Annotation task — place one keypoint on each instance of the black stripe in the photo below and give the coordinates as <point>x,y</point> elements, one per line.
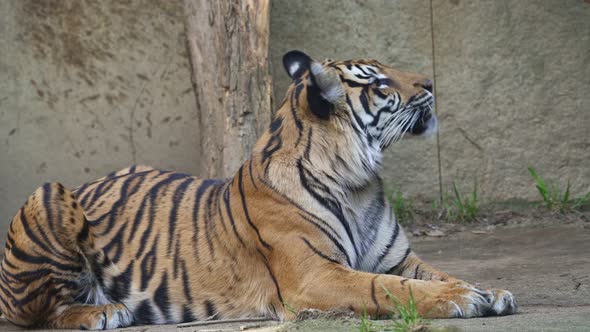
<point>41,260</point>
<point>187,314</point>
<point>118,206</point>
<point>392,270</point>
<point>162,299</point>
<point>371,70</point>
<point>358,120</point>
<point>220,213</point>
<point>379,93</point>
<point>209,222</point>
<point>330,236</point>
<point>153,197</point>
<point>245,208</point>
<point>85,232</point>
<point>210,309</point>
<point>351,83</point>
<point>176,201</point>
<point>186,282</point>
<point>300,208</point>
<point>365,102</point>
<point>294,107</point>
<point>117,244</point>
<point>307,151</point>
<point>199,194</point>
<point>79,192</point>
<point>416,270</point>
<point>251,173</point>
<point>319,253</point>
<point>226,199</point>
<point>272,276</point>
<point>329,202</point>
<point>35,239</point>
<point>276,124</point>
<point>148,264</point>
<point>274,144</point>
<point>47,205</point>
<point>42,290</point>
<point>144,314</point>
<point>121,284</point>
<point>29,276</point>
<point>392,240</point>
<point>176,261</point>
<point>100,190</point>
<point>138,219</point>
<point>359,67</point>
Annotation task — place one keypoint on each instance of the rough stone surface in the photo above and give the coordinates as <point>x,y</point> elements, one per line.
<point>89,87</point>
<point>512,82</point>
<point>396,33</point>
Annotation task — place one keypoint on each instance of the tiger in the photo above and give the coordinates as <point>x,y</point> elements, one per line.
<point>304,223</point>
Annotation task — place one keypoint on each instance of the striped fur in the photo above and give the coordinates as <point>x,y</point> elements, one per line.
<point>304,223</point>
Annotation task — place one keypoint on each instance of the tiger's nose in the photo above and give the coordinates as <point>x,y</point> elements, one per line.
<point>425,84</point>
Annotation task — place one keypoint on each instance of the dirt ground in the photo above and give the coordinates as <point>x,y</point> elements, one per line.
<point>546,264</point>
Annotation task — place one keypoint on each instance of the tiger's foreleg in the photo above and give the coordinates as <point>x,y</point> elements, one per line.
<point>503,302</point>
<point>321,282</point>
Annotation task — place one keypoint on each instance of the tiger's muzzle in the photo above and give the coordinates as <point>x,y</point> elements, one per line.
<point>426,122</point>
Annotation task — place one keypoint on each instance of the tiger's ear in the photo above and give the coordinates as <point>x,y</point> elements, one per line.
<point>296,63</point>
<point>325,90</point>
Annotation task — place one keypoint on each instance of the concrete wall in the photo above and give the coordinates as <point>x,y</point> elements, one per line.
<point>92,86</point>
<point>512,80</point>
<point>89,87</point>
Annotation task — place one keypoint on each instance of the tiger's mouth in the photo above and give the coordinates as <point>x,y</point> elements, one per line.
<point>425,125</point>
<point>426,122</point>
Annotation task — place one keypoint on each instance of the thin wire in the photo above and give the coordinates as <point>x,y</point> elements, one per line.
<point>436,107</point>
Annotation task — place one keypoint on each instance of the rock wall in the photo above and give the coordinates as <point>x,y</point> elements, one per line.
<point>89,87</point>
<point>92,86</point>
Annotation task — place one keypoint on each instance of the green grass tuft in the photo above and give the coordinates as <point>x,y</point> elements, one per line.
<point>459,207</point>
<point>289,308</point>
<point>407,314</point>
<point>366,323</point>
<point>554,198</point>
<point>402,207</point>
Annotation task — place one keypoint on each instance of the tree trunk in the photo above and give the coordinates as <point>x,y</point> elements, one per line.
<point>228,51</point>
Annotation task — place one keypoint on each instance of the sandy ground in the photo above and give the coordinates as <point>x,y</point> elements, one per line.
<point>546,266</point>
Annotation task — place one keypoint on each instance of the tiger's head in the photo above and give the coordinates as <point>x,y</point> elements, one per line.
<point>338,116</point>
<point>382,103</point>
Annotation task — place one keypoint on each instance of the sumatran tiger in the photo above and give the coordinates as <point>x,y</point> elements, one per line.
<point>304,223</point>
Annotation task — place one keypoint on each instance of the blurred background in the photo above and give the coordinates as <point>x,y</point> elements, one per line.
<point>89,87</point>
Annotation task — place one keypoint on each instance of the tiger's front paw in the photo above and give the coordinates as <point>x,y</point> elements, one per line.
<point>462,300</point>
